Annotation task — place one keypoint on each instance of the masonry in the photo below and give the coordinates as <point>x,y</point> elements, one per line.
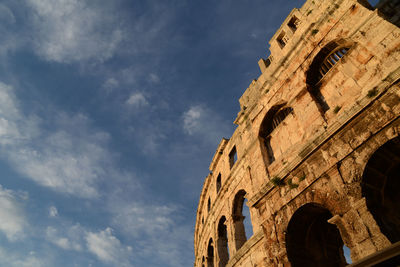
<point>316,152</point>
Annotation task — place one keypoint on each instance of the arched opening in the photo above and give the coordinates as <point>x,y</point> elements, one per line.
<point>232,157</point>
<point>222,243</point>
<point>218,183</point>
<point>248,228</point>
<point>323,62</point>
<point>312,241</point>
<point>209,205</point>
<point>380,187</point>
<point>239,219</point>
<point>210,253</point>
<point>275,116</point>
<point>203,262</point>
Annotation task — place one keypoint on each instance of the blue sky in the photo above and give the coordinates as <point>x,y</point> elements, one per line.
<point>110,113</point>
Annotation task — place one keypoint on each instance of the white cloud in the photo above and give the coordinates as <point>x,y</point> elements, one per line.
<point>102,244</point>
<point>6,15</point>
<point>71,156</point>
<point>134,218</point>
<point>18,259</point>
<point>53,212</point>
<point>204,123</point>
<point>9,40</point>
<point>71,30</point>
<point>159,232</point>
<point>110,84</point>
<point>107,247</point>
<point>63,162</point>
<point>192,119</point>
<point>137,100</point>
<point>70,239</point>
<point>154,78</point>
<point>12,218</point>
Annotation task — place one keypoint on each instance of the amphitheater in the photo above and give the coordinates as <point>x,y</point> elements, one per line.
<point>315,157</point>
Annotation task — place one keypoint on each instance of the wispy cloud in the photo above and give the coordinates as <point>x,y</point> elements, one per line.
<point>12,218</point>
<point>154,78</point>
<point>204,123</point>
<point>6,15</point>
<point>69,239</point>
<point>16,259</point>
<point>71,156</point>
<point>110,84</point>
<point>53,212</point>
<point>108,248</point>
<point>134,218</point>
<point>9,41</point>
<point>163,239</point>
<point>137,99</point>
<point>69,30</point>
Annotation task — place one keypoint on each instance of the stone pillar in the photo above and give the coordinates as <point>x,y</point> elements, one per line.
<point>239,231</point>
<point>230,232</point>
<point>222,252</point>
<point>210,261</point>
<point>359,231</point>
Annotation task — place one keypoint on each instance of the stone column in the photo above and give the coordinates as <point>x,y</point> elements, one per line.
<point>359,231</point>
<point>222,252</point>
<point>239,231</point>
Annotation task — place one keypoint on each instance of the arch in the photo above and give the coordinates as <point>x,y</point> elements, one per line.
<point>209,204</point>
<point>379,185</point>
<point>326,58</point>
<point>218,183</point>
<point>210,253</point>
<point>311,240</point>
<point>271,121</point>
<point>222,243</point>
<point>238,219</point>
<point>203,262</point>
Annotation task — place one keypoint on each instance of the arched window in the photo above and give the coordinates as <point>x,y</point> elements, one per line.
<point>322,63</point>
<point>312,241</point>
<point>222,243</point>
<point>330,60</point>
<point>238,219</point>
<point>209,205</point>
<point>210,253</point>
<point>380,187</point>
<point>218,183</point>
<point>325,60</point>
<point>272,120</point>
<point>232,157</point>
<point>279,117</point>
<point>203,262</point>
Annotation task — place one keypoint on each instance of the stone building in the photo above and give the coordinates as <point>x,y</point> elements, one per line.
<point>316,153</point>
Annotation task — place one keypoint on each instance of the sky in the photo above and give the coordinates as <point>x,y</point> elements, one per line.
<point>110,113</point>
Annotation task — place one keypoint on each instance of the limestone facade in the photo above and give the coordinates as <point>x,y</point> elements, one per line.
<point>316,151</point>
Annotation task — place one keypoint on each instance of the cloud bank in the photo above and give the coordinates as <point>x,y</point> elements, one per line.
<point>69,30</point>
<point>69,158</point>
<point>12,218</point>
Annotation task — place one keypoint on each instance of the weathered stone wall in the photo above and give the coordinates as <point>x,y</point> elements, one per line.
<point>320,150</point>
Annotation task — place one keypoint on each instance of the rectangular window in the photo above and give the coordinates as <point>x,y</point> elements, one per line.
<point>218,183</point>
<point>293,23</point>
<point>281,40</point>
<point>232,157</point>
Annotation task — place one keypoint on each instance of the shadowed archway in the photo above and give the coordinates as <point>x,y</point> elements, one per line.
<point>222,243</point>
<point>380,187</point>
<point>312,241</point>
